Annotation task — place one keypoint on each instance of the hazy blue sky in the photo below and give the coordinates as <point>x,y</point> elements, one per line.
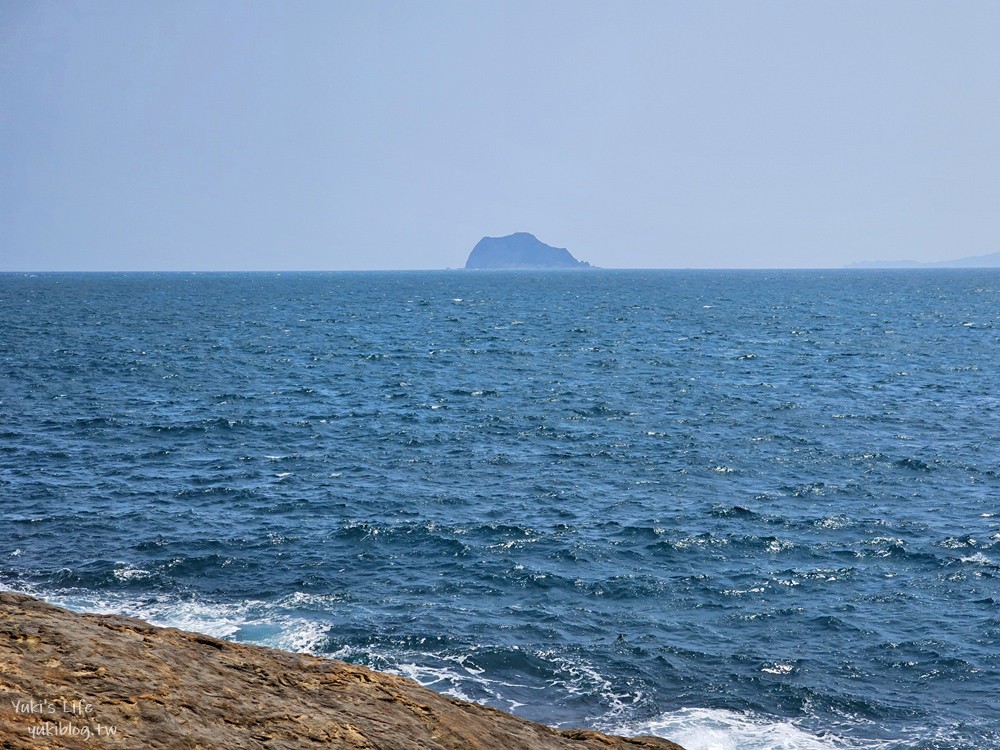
<point>355,135</point>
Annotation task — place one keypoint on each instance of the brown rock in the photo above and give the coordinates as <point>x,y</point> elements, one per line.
<point>96,681</point>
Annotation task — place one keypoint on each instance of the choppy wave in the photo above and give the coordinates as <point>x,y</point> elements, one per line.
<point>719,729</point>
<point>283,624</point>
<point>755,507</point>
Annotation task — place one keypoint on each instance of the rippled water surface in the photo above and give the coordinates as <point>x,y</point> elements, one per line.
<point>736,509</point>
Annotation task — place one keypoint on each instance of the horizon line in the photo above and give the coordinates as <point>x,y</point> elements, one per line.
<point>920,267</point>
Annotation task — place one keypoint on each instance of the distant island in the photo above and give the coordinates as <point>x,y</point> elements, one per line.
<point>973,261</point>
<point>520,250</point>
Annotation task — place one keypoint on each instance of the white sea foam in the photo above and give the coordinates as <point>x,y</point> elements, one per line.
<point>719,729</point>
<point>455,675</point>
<point>126,572</point>
<point>778,668</point>
<point>459,675</point>
<point>248,621</point>
<point>978,559</point>
<point>579,677</point>
<point>779,545</point>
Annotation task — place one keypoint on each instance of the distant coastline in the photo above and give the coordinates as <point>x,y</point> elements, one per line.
<point>991,260</point>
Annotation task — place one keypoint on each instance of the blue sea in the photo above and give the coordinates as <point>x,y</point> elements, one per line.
<point>736,509</point>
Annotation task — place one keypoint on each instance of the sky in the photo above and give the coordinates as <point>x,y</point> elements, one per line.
<point>394,135</point>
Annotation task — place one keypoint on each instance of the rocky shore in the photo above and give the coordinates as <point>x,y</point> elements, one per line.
<point>92,681</point>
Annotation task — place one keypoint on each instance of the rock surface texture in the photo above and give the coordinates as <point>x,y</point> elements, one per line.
<point>94,681</point>
<point>520,251</point>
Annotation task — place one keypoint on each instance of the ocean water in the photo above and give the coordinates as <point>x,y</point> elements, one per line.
<point>734,509</point>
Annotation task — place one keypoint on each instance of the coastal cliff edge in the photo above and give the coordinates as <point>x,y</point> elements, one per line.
<point>71,680</point>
